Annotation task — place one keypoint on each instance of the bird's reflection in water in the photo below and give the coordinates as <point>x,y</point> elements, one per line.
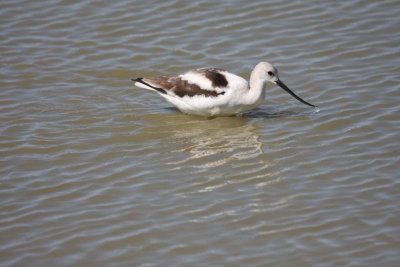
<point>204,143</point>
<point>215,142</point>
<point>223,143</point>
<point>218,141</point>
<point>227,148</point>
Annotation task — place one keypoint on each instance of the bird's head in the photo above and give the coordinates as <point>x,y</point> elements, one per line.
<point>269,73</point>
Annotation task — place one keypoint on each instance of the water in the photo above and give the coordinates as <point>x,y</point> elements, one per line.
<point>95,172</point>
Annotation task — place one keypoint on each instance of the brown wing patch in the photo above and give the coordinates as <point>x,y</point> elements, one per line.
<point>181,87</point>
<point>213,74</point>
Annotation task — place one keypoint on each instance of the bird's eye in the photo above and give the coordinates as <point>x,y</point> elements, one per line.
<point>270,73</point>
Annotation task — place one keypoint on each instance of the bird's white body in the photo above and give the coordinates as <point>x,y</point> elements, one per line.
<point>213,92</point>
<point>232,102</point>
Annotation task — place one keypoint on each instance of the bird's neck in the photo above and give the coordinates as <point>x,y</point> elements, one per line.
<point>256,92</point>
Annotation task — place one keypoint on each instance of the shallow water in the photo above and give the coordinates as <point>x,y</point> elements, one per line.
<point>95,172</point>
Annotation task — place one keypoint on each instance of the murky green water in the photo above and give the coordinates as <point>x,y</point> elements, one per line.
<point>95,172</point>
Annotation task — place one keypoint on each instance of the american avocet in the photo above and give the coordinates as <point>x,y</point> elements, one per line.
<point>215,92</point>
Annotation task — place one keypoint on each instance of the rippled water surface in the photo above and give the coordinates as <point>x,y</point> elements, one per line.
<point>95,172</point>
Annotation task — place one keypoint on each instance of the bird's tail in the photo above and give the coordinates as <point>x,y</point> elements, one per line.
<point>139,82</point>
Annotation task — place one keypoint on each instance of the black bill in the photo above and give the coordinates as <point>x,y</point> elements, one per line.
<point>284,87</point>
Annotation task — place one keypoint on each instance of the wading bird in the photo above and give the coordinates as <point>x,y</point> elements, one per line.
<point>215,92</point>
